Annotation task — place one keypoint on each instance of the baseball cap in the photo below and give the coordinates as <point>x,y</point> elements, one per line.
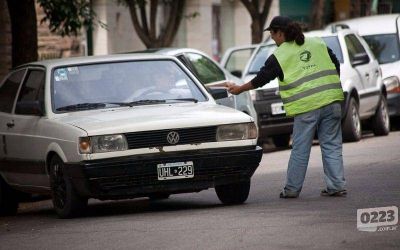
<point>279,22</point>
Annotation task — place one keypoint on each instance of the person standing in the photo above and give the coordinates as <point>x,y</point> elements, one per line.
<point>311,92</point>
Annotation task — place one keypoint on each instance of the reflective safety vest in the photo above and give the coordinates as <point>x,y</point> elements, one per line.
<point>310,77</point>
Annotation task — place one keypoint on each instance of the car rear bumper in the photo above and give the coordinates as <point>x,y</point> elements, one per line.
<point>136,176</point>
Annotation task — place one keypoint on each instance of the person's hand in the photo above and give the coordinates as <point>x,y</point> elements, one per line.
<point>233,88</point>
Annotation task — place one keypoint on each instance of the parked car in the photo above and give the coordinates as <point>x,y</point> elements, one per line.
<point>236,58</point>
<point>381,32</point>
<point>210,73</point>
<point>116,127</point>
<point>361,81</point>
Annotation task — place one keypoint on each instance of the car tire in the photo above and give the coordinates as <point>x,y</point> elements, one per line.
<point>281,141</point>
<point>351,126</point>
<point>380,121</point>
<point>235,193</point>
<point>8,199</point>
<point>66,201</point>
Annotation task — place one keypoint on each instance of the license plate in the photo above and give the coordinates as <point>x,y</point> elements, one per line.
<point>175,170</point>
<point>277,108</point>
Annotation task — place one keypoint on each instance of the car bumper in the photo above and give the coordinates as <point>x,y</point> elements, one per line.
<point>393,101</point>
<point>136,176</point>
<point>269,124</point>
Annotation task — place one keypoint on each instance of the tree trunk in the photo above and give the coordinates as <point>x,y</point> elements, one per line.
<point>148,33</point>
<point>23,31</point>
<point>258,18</point>
<point>317,14</point>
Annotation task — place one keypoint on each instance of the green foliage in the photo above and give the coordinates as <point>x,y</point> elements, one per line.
<point>67,17</point>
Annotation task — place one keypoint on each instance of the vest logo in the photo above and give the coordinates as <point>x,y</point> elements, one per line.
<point>305,56</point>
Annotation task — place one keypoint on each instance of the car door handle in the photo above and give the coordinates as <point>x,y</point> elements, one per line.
<point>10,124</point>
<point>367,75</point>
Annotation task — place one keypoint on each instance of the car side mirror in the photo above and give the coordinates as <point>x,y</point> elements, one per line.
<point>237,73</point>
<point>218,93</point>
<point>360,59</point>
<point>29,108</point>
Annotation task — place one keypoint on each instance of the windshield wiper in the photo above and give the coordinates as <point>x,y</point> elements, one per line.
<point>140,102</point>
<point>82,106</point>
<point>184,100</point>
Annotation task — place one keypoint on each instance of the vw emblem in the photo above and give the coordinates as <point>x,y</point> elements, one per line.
<point>173,137</point>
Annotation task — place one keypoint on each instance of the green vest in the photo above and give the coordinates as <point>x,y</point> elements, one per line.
<point>310,77</point>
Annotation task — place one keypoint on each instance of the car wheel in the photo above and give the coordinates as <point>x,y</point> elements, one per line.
<point>159,196</point>
<point>235,193</point>
<point>351,127</point>
<point>8,199</point>
<point>66,201</point>
<point>380,121</point>
<point>281,141</point>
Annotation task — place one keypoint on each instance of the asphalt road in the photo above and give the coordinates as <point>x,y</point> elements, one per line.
<point>199,221</point>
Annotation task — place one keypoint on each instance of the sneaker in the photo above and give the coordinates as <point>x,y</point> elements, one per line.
<point>285,195</point>
<point>340,193</point>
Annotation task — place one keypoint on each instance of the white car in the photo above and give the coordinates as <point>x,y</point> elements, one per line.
<point>116,127</point>
<point>381,32</point>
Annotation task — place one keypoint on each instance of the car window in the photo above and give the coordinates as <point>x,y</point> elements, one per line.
<point>205,69</point>
<point>105,84</point>
<point>259,59</point>
<point>354,46</point>
<point>385,47</point>
<point>238,59</point>
<point>333,43</point>
<point>33,88</point>
<point>9,89</point>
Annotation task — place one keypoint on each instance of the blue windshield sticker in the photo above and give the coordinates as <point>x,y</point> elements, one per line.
<point>61,75</point>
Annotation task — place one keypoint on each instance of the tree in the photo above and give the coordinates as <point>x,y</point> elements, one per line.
<point>258,17</point>
<point>66,17</point>
<point>23,31</point>
<point>317,14</point>
<point>146,28</point>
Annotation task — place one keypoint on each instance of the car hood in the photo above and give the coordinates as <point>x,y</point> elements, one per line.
<point>271,85</point>
<point>153,117</point>
<point>390,69</point>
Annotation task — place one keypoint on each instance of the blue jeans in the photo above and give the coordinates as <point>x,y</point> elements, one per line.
<point>326,121</point>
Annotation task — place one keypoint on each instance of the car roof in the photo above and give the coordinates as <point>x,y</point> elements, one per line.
<point>378,24</point>
<point>95,59</point>
<point>169,51</point>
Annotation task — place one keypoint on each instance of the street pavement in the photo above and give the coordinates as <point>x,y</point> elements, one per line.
<point>200,221</point>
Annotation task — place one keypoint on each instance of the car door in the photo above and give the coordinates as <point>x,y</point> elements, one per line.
<point>24,143</point>
<point>8,92</point>
<point>235,59</point>
<point>368,72</point>
<point>207,72</point>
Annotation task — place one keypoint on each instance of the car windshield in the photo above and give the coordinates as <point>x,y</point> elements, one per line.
<point>259,59</point>
<point>385,47</point>
<point>102,85</point>
<point>333,43</point>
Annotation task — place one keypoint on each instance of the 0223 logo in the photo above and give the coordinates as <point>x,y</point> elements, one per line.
<point>378,219</point>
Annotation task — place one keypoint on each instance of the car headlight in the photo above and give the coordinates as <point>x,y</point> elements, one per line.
<point>392,84</point>
<point>102,144</point>
<point>241,131</point>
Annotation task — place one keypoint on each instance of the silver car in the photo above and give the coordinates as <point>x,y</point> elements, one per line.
<point>116,127</point>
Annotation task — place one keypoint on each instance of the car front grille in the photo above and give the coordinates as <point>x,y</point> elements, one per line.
<point>158,138</point>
